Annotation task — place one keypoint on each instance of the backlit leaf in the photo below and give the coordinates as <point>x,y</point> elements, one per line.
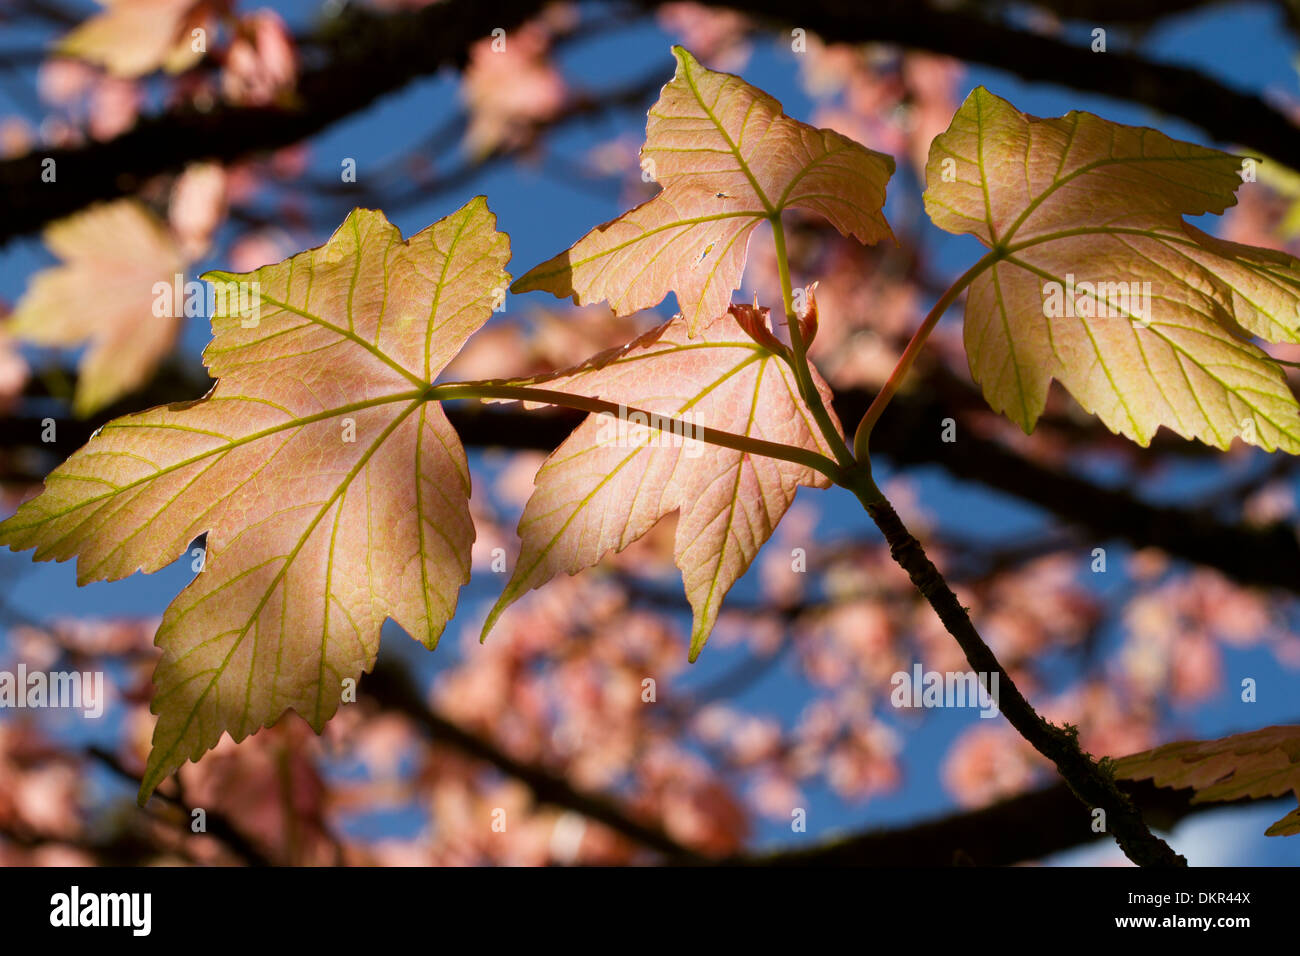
<point>610,481</point>
<point>727,159</point>
<point>334,495</point>
<point>1160,333</point>
<point>134,37</point>
<point>103,294</point>
<point>1262,763</point>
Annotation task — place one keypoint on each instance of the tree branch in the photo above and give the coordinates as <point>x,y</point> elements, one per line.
<point>394,691</point>
<point>1224,113</point>
<point>909,435</point>
<point>217,824</point>
<point>1090,782</point>
<point>361,55</point>
<point>1025,827</point>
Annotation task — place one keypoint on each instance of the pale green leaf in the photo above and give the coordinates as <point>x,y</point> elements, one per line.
<point>1159,335</point>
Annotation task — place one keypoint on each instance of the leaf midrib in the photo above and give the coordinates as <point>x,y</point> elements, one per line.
<point>346,333</point>
<point>219,449</point>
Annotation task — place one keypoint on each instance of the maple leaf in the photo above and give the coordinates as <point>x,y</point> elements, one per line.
<point>1261,763</point>
<point>1097,281</point>
<point>103,293</point>
<point>727,159</point>
<point>134,37</point>
<point>333,493</point>
<point>612,479</point>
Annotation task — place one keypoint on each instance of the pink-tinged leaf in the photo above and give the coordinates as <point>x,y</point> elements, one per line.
<point>727,159</point>
<point>333,493</point>
<point>1159,335</point>
<point>104,294</point>
<point>1262,763</point>
<point>611,480</point>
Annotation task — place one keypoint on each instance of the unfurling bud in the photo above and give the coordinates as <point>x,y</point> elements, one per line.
<point>753,319</point>
<point>808,320</point>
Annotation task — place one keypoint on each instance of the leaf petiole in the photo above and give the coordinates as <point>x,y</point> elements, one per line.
<point>713,436</point>
<point>798,360</point>
<point>862,438</point>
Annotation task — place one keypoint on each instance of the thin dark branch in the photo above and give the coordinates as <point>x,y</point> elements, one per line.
<point>1226,114</point>
<point>217,825</point>
<point>909,435</point>
<point>1091,783</point>
<point>362,55</point>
